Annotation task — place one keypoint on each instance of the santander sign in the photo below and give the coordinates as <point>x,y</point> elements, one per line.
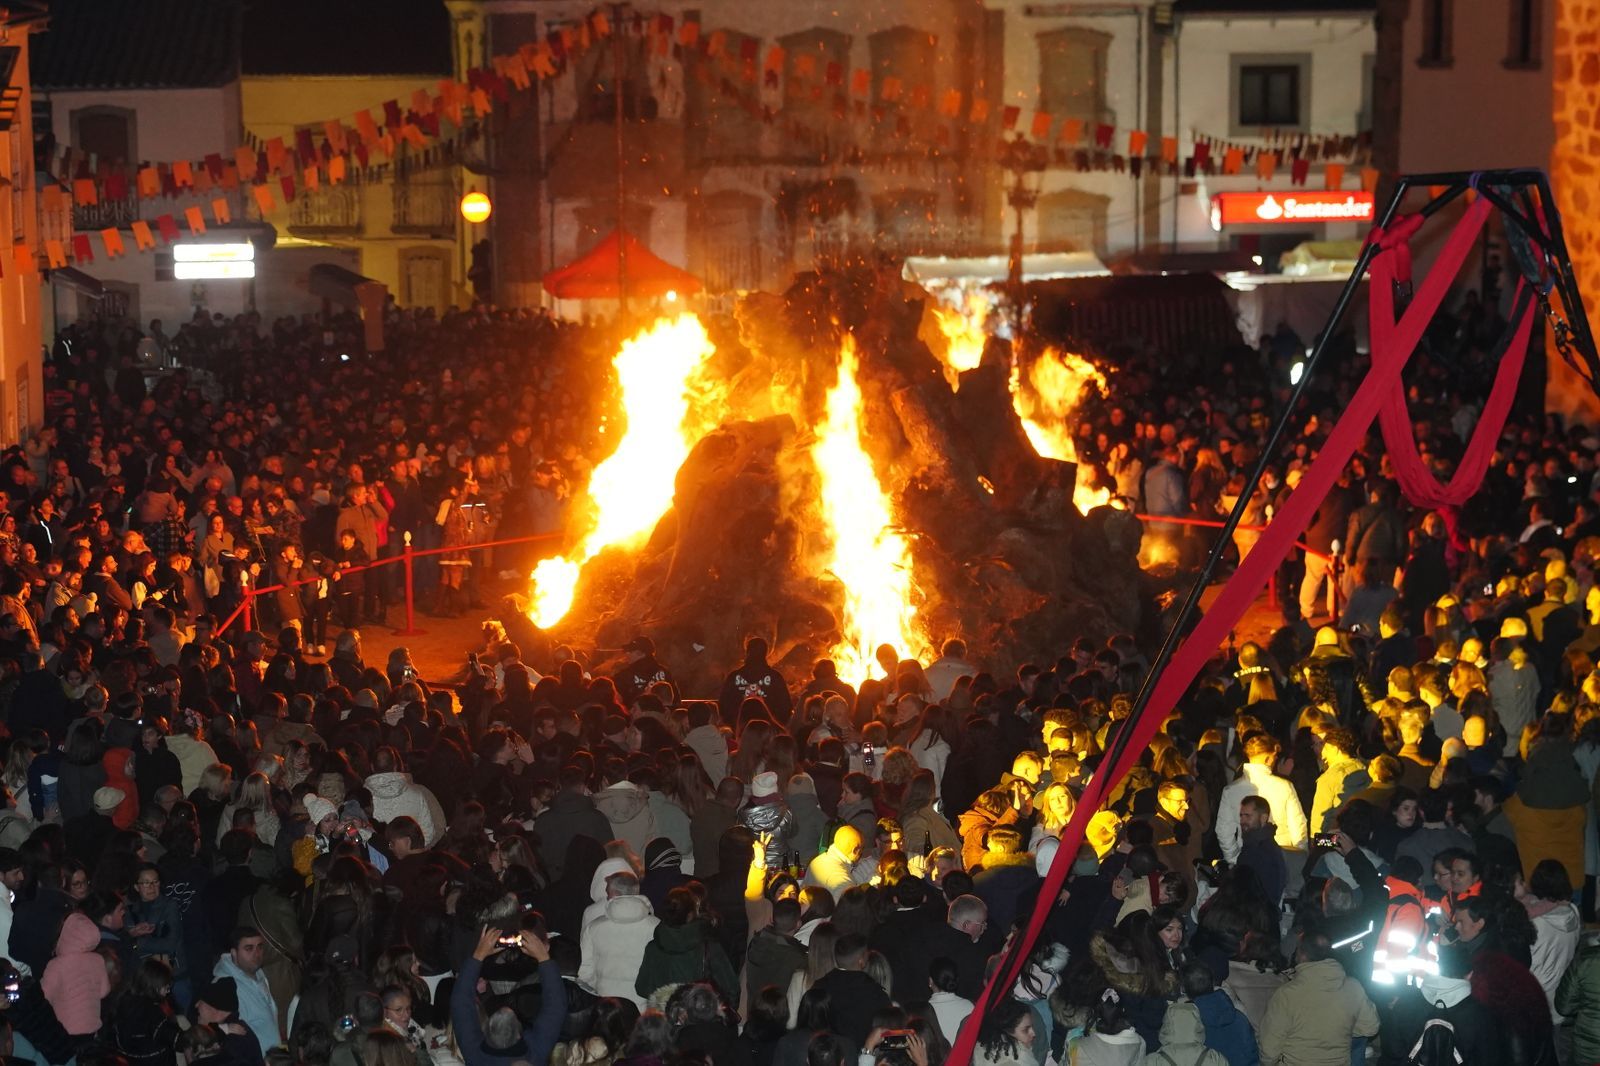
<point>1257,208</point>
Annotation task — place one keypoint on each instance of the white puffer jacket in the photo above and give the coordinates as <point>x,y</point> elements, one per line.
<point>395,794</point>
<point>613,948</point>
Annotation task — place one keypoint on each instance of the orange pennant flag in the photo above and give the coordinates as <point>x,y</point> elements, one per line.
<point>277,154</point>
<point>1042,121</point>
<point>1232,160</point>
<point>413,135</point>
<point>861,82</point>
<point>26,258</point>
<point>183,174</point>
<point>1072,131</point>
<point>1333,176</point>
<point>221,213</point>
<point>84,192</point>
<point>775,60</point>
<point>336,170</point>
<point>422,103</point>
<point>202,180</point>
<point>112,239</point>
<point>1369,179</point>
<point>51,199</point>
<point>717,43</point>
<point>1169,149</point>
<point>541,63</point>
<point>950,103</point>
<point>979,113</point>
<point>149,182</point>
<point>333,129</point>
<point>263,195</point>
<point>516,70</point>
<point>366,127</point>
<point>689,33</point>
<point>55,254</point>
<point>1436,191</point>
<point>310,179</point>
<point>143,239</point>
<point>892,87</point>
<point>230,176</point>
<point>1266,165</point>
<point>245,160</point>
<point>480,103</point>
<point>197,224</point>
<point>1138,141</point>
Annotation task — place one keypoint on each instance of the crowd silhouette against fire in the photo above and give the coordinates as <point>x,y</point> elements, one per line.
<point>1372,838</point>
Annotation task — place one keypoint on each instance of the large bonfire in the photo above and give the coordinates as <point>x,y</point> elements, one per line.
<point>818,476</point>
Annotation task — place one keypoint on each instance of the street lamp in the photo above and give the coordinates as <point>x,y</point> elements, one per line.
<point>1025,162</point>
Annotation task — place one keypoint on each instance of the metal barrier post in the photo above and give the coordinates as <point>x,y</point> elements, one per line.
<point>411,629</point>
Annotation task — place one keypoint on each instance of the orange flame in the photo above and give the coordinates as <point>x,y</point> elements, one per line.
<point>659,370</point>
<point>965,332</point>
<point>1045,402</point>
<point>870,556</point>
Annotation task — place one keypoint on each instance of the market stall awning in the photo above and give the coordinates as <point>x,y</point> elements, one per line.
<point>1040,266</point>
<point>78,281</point>
<point>335,283</point>
<point>595,274</point>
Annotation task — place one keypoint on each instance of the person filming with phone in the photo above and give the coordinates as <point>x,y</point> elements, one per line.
<point>493,1034</point>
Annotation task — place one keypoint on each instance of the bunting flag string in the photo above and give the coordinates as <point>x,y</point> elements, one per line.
<point>428,130</point>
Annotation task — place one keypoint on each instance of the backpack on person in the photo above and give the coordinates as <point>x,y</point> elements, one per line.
<point>1436,1046</point>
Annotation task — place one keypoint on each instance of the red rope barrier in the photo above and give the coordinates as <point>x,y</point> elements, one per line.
<point>1179,520</point>
<point>405,557</point>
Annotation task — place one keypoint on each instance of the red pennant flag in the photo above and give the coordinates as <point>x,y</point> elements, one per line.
<point>1202,153</point>
<point>333,130</point>
<point>689,34</point>
<point>1009,116</point>
<point>286,183</point>
<point>305,147</point>
<point>1103,134</point>
<point>214,166</point>
<point>168,226</point>
<point>921,96</point>
<point>1300,170</point>
<point>82,251</point>
<point>1042,121</point>
<point>391,114</point>
<point>835,74</point>
<point>112,239</point>
<point>422,103</point>
<point>860,83</point>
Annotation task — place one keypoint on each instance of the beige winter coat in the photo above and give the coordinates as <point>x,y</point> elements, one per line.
<point>1312,1019</point>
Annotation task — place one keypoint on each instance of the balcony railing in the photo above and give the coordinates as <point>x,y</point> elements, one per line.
<point>425,207</point>
<point>331,209</point>
<point>106,213</point>
<point>733,267</point>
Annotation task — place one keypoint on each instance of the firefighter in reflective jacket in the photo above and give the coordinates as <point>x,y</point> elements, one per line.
<point>1407,950</point>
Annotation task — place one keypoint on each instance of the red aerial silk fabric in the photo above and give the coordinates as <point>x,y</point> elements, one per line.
<point>1246,584</point>
<point>1416,480</point>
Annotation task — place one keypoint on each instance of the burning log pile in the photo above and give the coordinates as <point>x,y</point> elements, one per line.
<point>838,493</point>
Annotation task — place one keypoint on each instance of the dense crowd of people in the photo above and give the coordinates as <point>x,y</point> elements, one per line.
<point>1369,838</point>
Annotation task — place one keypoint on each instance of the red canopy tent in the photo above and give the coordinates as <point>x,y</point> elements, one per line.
<point>595,274</point>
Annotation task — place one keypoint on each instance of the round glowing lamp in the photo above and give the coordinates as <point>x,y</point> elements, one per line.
<point>476,207</point>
